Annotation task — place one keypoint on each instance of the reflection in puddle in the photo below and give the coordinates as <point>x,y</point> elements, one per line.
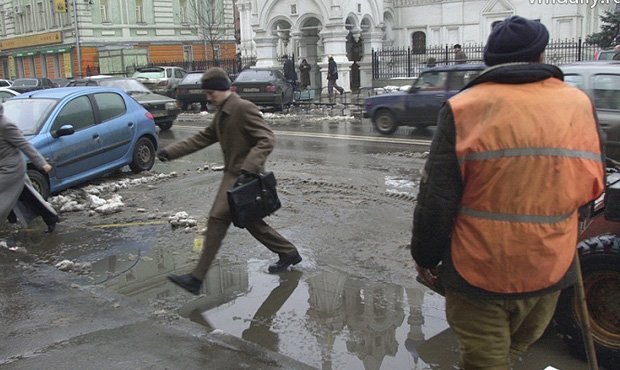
<point>327,320</point>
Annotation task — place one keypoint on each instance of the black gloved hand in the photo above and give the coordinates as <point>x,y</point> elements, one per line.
<point>244,178</point>
<point>162,155</point>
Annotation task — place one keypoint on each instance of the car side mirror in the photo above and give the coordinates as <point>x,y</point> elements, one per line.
<point>64,130</point>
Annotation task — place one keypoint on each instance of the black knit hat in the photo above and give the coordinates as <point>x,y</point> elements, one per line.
<point>515,39</point>
<point>215,78</point>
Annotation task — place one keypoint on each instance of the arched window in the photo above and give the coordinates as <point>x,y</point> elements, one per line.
<point>418,42</point>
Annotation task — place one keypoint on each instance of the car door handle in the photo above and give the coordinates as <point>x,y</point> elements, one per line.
<point>130,124</point>
<point>95,136</point>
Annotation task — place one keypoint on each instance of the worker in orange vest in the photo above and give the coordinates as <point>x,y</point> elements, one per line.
<point>515,155</point>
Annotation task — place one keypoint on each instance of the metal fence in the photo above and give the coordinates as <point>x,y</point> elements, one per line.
<point>232,66</point>
<point>408,62</point>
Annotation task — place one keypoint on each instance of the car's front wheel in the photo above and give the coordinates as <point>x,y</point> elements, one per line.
<point>384,122</point>
<point>143,156</point>
<point>600,265</point>
<point>39,183</point>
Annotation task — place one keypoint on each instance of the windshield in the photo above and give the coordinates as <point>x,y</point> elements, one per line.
<point>25,82</point>
<point>255,75</point>
<point>192,78</point>
<point>28,114</point>
<point>150,74</point>
<point>127,85</point>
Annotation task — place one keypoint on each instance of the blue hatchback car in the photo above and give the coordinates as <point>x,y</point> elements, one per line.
<point>83,133</point>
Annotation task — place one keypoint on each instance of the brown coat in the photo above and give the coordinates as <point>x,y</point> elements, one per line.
<point>245,139</point>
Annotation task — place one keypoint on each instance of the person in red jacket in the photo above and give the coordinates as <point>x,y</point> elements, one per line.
<point>515,155</point>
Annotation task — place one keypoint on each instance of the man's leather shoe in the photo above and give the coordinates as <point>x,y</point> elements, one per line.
<point>187,282</point>
<point>284,262</point>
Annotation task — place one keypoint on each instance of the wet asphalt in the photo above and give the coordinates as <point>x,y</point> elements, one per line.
<point>342,308</point>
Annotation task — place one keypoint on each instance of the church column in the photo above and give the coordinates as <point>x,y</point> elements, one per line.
<point>372,40</point>
<point>247,47</point>
<point>266,53</point>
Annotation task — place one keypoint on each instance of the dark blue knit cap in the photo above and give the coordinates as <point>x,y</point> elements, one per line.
<point>215,78</point>
<point>515,39</point>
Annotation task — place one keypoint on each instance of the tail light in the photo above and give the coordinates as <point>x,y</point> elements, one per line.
<point>234,89</point>
<point>149,115</point>
<point>163,83</point>
<point>270,88</point>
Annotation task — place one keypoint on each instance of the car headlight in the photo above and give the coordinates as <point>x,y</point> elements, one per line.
<point>171,105</point>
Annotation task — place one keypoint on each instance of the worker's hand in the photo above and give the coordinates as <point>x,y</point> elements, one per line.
<point>431,276</point>
<point>47,167</point>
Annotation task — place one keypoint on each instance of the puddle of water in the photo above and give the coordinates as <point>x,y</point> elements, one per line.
<point>400,185</point>
<point>326,319</point>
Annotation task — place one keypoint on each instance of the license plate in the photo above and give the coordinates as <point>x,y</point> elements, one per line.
<point>251,89</point>
<point>159,114</point>
<point>196,91</point>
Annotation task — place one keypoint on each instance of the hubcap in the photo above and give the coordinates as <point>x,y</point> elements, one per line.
<point>602,291</point>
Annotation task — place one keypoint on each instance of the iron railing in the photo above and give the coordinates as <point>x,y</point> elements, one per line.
<point>407,62</point>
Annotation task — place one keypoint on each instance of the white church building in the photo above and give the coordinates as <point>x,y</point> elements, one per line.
<point>349,30</point>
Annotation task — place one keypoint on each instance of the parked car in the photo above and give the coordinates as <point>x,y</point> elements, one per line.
<point>190,91</point>
<point>608,54</point>
<point>5,83</point>
<point>264,87</point>
<point>83,133</point>
<point>6,93</point>
<point>161,80</point>
<point>601,81</point>
<point>61,82</point>
<point>163,108</point>
<point>420,105</point>
<point>22,85</point>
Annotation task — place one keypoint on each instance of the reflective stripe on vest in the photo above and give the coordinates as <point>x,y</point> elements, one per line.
<point>529,156</point>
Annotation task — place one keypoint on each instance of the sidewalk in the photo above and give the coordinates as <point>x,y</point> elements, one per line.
<point>51,322</point>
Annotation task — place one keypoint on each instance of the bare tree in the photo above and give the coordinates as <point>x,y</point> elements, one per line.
<point>208,18</point>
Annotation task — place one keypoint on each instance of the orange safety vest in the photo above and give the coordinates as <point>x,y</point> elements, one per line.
<point>529,156</point>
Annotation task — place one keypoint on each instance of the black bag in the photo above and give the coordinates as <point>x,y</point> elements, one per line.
<point>252,201</point>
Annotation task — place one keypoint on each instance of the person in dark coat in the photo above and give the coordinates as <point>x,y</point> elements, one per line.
<point>289,71</point>
<point>18,199</point>
<point>459,55</point>
<point>304,72</point>
<point>246,141</point>
<point>332,76</point>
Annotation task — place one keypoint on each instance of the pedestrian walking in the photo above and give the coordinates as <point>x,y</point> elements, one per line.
<point>513,158</point>
<point>332,76</point>
<point>246,141</point>
<point>19,201</point>
<point>304,74</point>
<point>459,55</point>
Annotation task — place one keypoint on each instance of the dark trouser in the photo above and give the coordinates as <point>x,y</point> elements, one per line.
<point>216,231</point>
<point>37,208</point>
<point>493,333</point>
<point>331,84</point>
